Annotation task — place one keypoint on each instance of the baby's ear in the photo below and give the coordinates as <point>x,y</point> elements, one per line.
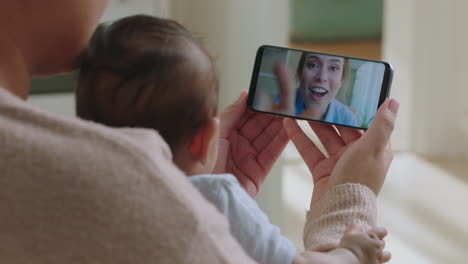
<point>202,139</point>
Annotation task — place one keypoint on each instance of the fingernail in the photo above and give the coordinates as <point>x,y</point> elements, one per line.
<point>393,106</point>
<point>241,96</point>
<point>251,189</point>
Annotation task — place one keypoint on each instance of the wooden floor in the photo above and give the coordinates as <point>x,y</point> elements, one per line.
<point>457,166</point>
<point>366,49</point>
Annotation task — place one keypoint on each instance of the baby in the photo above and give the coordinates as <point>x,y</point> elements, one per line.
<point>152,73</point>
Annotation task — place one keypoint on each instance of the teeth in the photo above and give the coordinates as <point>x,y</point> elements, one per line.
<point>319,90</point>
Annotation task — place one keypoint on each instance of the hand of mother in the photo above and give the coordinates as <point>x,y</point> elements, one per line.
<point>353,156</point>
<point>250,143</point>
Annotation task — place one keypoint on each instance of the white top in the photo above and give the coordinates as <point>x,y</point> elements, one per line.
<point>248,223</point>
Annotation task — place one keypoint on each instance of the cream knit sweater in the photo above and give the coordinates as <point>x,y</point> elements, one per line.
<point>78,192</point>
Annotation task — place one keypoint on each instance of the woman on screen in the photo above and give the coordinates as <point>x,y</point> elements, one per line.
<point>320,78</point>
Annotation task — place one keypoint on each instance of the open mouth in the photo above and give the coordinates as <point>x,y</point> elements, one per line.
<point>317,93</point>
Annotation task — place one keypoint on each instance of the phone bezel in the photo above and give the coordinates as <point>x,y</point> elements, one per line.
<point>384,90</point>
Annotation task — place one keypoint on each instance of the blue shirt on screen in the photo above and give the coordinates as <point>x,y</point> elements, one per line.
<point>337,112</point>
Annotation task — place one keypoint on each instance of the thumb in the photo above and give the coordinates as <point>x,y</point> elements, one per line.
<point>381,129</point>
<point>233,113</point>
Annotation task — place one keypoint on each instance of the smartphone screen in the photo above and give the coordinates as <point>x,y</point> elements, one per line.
<point>327,88</point>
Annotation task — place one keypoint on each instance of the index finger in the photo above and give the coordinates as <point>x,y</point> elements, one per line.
<point>328,136</point>
<point>349,134</point>
<point>309,152</point>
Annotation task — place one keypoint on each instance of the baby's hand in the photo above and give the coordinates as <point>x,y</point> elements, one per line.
<point>366,246</point>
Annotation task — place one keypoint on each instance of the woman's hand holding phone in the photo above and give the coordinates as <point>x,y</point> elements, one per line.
<point>251,141</point>
<point>250,144</point>
<point>353,156</point>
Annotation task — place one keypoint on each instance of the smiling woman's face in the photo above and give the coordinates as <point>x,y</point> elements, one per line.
<point>321,79</point>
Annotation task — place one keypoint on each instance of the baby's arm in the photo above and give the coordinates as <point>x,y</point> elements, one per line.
<point>356,247</point>
<point>367,247</point>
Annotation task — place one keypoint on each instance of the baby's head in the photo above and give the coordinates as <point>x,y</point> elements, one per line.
<point>148,72</point>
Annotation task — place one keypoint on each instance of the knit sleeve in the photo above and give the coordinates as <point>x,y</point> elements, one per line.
<point>341,206</point>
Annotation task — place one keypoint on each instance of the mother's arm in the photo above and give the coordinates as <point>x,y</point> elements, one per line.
<point>347,178</point>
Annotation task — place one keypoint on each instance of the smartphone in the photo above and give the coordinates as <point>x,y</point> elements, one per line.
<point>328,88</point>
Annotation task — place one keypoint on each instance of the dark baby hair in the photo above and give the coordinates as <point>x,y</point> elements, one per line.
<point>137,72</point>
